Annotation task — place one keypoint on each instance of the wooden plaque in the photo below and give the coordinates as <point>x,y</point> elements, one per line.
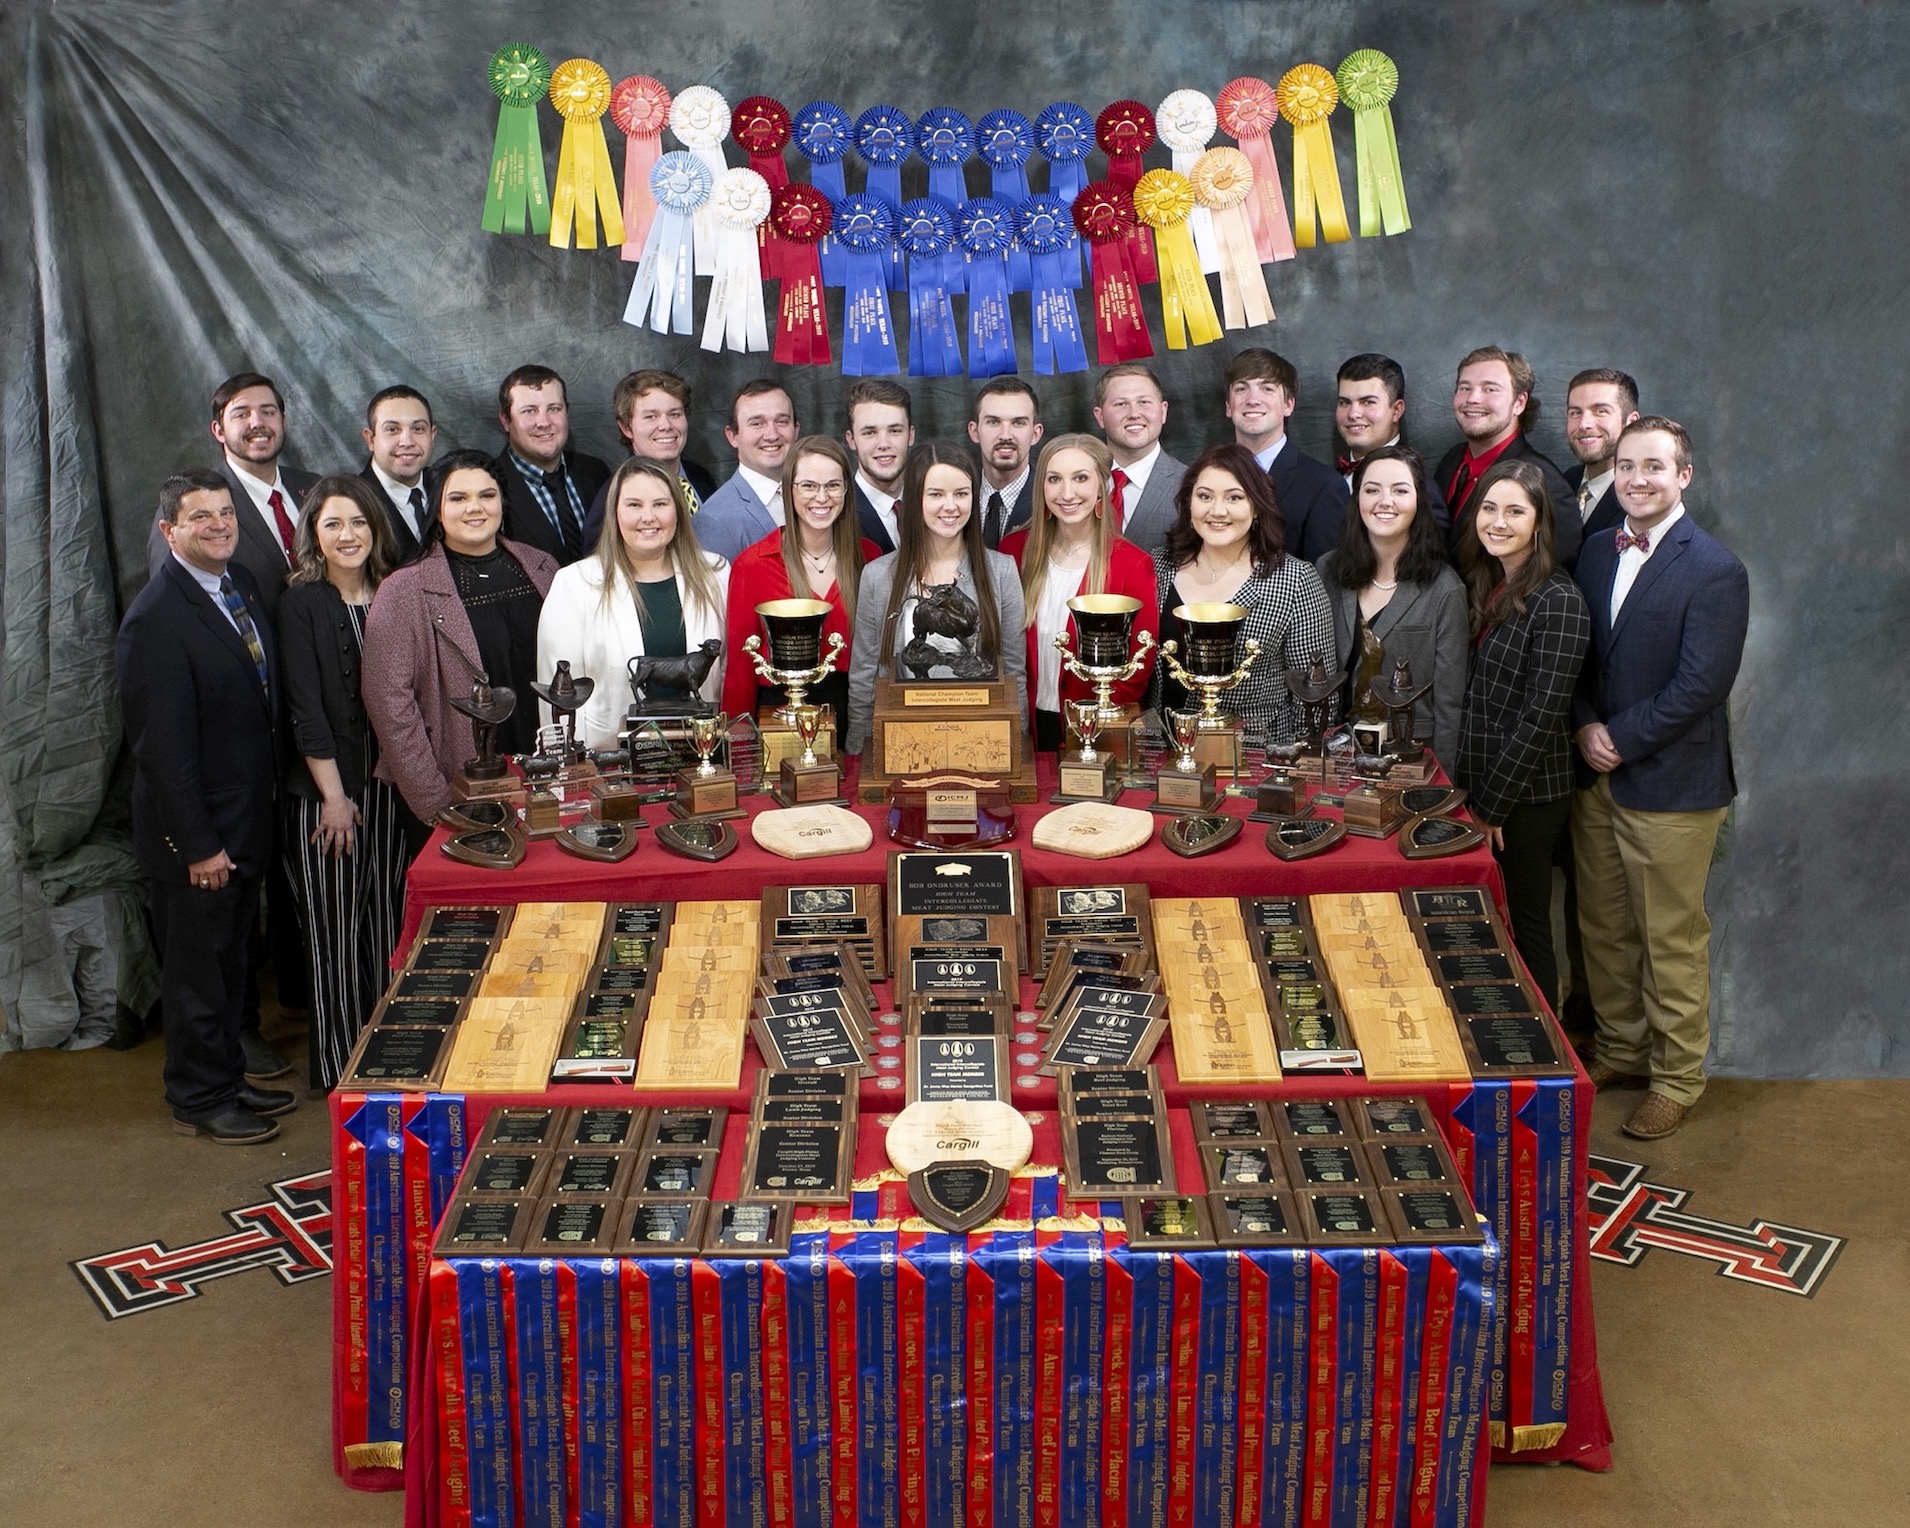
<point>595,838</point>
<point>512,1172</point>
<point>1117,1158</point>
<point>927,1133</point>
<point>684,1171</point>
<point>698,838</point>
<point>690,1042</point>
<point>811,832</point>
<point>1298,838</point>
<point>922,728</point>
<point>1167,1223</point>
<point>853,915</point>
<point>945,1067</point>
<point>1386,1119</point>
<point>1093,830</point>
<point>759,1228</point>
<point>572,1226</point>
<point>959,1196</point>
<point>483,1227</point>
<point>659,1228</point>
<point>1075,963</point>
<point>509,1053</point>
<point>1115,914</point>
<point>1514,1045</point>
<point>449,955</point>
<point>1309,1120</point>
<point>595,1173</point>
<point>1327,1164</point>
<point>938,1013</point>
<point>810,961</point>
<point>811,1163</point>
<point>521,1127</point>
<point>598,1048</point>
<point>1087,1092</point>
<point>671,1129</point>
<point>486,921</point>
<point>1244,1120</point>
<point>1263,1218</point>
<point>601,1127</point>
<point>1436,837</point>
<point>1119,1036</point>
<point>809,1038</point>
<point>394,1057</point>
<point>1340,1217</point>
<point>1441,1214</point>
<point>1238,1165</point>
<point>1406,1035</point>
<point>1411,1161</point>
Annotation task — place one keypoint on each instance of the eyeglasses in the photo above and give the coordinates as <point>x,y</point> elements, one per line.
<point>833,490</point>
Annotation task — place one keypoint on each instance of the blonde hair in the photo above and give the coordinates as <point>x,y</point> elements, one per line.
<point>1041,524</point>
<point>686,555</point>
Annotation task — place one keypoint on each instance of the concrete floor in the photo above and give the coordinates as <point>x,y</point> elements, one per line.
<point>1732,1404</point>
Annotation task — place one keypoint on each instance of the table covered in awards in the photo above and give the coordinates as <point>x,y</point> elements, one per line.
<point>958,1186</point>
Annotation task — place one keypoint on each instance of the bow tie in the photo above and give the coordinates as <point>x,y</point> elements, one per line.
<point>1625,538</point>
<point>1346,465</point>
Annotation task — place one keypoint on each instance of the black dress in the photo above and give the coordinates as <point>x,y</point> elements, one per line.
<point>503,604</point>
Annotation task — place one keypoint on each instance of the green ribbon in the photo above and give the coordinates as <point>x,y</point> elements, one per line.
<point>519,76</point>
<point>1367,81</point>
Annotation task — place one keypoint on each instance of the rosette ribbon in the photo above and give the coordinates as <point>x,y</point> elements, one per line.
<point>823,135</point>
<point>1247,109</point>
<point>1307,95</point>
<point>1046,231</point>
<point>986,229</point>
<point>1125,132</point>
<point>586,185</point>
<point>1064,132</point>
<point>665,281</point>
<point>1104,216</point>
<point>700,118</point>
<point>1368,80</point>
<point>945,139</point>
<point>739,205</point>
<point>640,106</point>
<point>1223,184</point>
<point>1164,200</point>
<point>865,226</point>
<point>760,126</point>
<point>516,191</point>
<point>1186,121</point>
<point>1005,140</point>
<point>884,138</point>
<point>926,234</point>
<point>801,215</point>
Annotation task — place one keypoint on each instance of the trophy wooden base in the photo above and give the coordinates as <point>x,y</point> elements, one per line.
<point>1119,737</point>
<point>1372,811</point>
<point>505,787</point>
<point>1099,781</point>
<point>1178,791</point>
<point>781,741</point>
<point>700,795</point>
<point>1220,746</point>
<point>925,728</point>
<point>616,801</point>
<point>818,784</point>
<point>543,814</point>
<point>1279,797</point>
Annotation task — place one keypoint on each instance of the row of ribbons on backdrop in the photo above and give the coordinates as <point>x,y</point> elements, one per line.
<point>687,212</point>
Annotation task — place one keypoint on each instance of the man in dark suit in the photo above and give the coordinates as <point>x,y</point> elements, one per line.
<point>1369,411</point>
<point>881,430</point>
<point>1495,401</point>
<point>401,435</point>
<point>1262,389</point>
<point>653,417</point>
<point>1598,405</point>
<point>1670,607</point>
<point>547,486</point>
<point>199,689</point>
<point>1005,426</point>
<point>248,422</point>
<point>1131,410</point>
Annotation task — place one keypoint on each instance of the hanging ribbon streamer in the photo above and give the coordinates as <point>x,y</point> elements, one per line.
<point>945,139</point>
<point>586,185</point>
<point>1368,80</point>
<point>1247,109</point>
<point>1045,228</point>
<point>1186,123</point>
<point>1064,133</point>
<point>884,138</point>
<point>700,118</point>
<point>864,226</point>
<point>1005,140</point>
<point>1125,132</point>
<point>801,216</point>
<point>985,228</point>
<point>519,76</point>
<point>739,204</point>
<point>1104,216</point>
<point>1164,200</point>
<point>760,126</point>
<point>823,135</point>
<point>1307,96</point>
<point>640,106</point>
<point>665,281</point>
<point>926,234</point>
<point>1223,183</point>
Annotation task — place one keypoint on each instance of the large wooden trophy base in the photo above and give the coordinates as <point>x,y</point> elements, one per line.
<point>937,726</point>
<point>507,787</point>
<point>781,740</point>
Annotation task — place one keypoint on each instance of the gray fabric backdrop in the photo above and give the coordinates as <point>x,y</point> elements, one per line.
<point>1710,196</point>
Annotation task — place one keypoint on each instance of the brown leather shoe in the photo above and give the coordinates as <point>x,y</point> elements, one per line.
<point>1604,1076</point>
<point>1655,1118</point>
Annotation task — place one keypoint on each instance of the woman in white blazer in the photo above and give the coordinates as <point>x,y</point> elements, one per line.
<point>648,588</point>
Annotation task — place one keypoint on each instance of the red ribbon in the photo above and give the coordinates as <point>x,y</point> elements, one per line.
<point>640,106</point>
<point>1049,1316</point>
<point>842,1382</point>
<point>348,1214</point>
<point>800,216</point>
<point>706,1314</point>
<point>1442,1288</point>
<point>1116,1377</point>
<point>1104,216</point>
<point>912,1319</point>
<point>1250,1474</point>
<point>1323,1369</point>
<point>981,1388</point>
<point>1183,1389</point>
<point>1125,132</point>
<point>454,1463</point>
<point>1384,1469</point>
<point>778,1458</point>
<point>1522,1240</point>
<point>760,125</point>
<point>637,1421</point>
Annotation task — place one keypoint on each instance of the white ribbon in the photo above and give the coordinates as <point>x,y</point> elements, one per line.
<point>700,118</point>
<point>665,284</point>
<point>737,207</point>
<point>1185,121</point>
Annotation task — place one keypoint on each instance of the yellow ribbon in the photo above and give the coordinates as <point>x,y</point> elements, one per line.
<point>1307,94</point>
<point>1223,180</point>
<point>1163,200</point>
<point>586,185</point>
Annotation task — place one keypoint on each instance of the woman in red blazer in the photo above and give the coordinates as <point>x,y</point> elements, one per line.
<point>1070,548</point>
<point>818,554</point>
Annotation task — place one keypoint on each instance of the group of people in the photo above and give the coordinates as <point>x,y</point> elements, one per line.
<point>289,675</point>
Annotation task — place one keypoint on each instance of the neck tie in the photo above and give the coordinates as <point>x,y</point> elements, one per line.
<point>416,501</point>
<point>1346,464</point>
<point>569,527</point>
<point>1461,484</point>
<point>1584,500</point>
<point>1117,501</point>
<point>1625,538</point>
<point>287,532</point>
<point>991,526</point>
<point>689,494</point>
<point>248,633</point>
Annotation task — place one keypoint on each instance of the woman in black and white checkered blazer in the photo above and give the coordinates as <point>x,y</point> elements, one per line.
<point>1228,545</point>
<point>1531,630</point>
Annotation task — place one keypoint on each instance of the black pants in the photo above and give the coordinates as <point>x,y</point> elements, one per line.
<point>1532,833</point>
<point>1050,734</point>
<point>202,951</point>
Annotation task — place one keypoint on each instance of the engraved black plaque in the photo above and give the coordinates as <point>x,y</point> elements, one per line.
<point>821,928</point>
<point>1314,1031</point>
<point>678,1172</point>
<point>416,1010</point>
<point>1311,1118</point>
<point>1411,1162</point>
<point>1118,1155</point>
<point>637,918</point>
<point>1223,1122</point>
<point>978,884</point>
<point>464,923</point>
<point>662,1222</point>
<point>451,955</point>
<point>797,1161</point>
<point>1476,967</point>
<point>628,980</point>
<point>1246,1219</point>
<point>958,1196</point>
<point>1328,1164</point>
<point>520,1127</point>
<point>577,1223</point>
<point>685,1127</point>
<point>588,1173</point>
<point>1344,1214</point>
<point>1102,1037</point>
<point>1286,971</point>
<point>951,1067</point>
<point>439,984</point>
<point>957,1021</point>
<point>804,1111</point>
<point>1137,1105</point>
<point>805,1084</point>
<point>810,1038</point>
<point>610,1005</point>
<point>1431,1210</point>
<point>748,1230</point>
<point>1395,1116</point>
<point>1234,1164</point>
<point>504,1172</point>
<point>602,1127</point>
<point>955,976</point>
<point>1453,903</point>
<point>1276,912</point>
<point>1132,1081</point>
<point>1513,1040</point>
<point>483,1223</point>
<point>392,1054</point>
<point>1453,935</point>
<point>1478,999</point>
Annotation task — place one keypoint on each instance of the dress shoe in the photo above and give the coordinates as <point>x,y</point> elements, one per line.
<point>262,1062</point>
<point>266,1102</point>
<point>1604,1076</point>
<point>231,1126</point>
<point>1656,1118</point>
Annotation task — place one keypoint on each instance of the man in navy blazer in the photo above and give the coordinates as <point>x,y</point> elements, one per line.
<point>1599,403</point>
<point>1670,607</point>
<point>199,689</point>
<point>749,506</point>
<point>880,435</point>
<point>1005,426</point>
<point>1262,389</point>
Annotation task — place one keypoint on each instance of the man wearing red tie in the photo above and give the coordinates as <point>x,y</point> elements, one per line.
<point>1495,401</point>
<point>1131,411</point>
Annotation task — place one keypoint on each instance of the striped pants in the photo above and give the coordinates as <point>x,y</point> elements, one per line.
<point>352,909</point>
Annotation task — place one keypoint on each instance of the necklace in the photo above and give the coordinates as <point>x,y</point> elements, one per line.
<point>1219,573</point>
<point>819,563</point>
<point>1378,585</point>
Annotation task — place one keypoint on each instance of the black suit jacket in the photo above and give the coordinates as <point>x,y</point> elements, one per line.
<point>525,522</point>
<point>1605,515</point>
<point>1566,533</point>
<point>258,550</point>
<point>1312,498</point>
<point>410,549</point>
<point>871,523</point>
<point>319,664</point>
<point>1015,512</point>
<point>200,725</point>
<point>700,482</point>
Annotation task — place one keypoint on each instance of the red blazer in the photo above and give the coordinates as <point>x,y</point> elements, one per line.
<point>1130,572</point>
<point>757,575</point>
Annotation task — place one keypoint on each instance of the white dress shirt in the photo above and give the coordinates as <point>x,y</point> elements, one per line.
<point>1631,559</point>
<point>261,493</point>
<point>1137,476</point>
<point>884,506</point>
<point>400,496</point>
<point>1593,489</point>
<point>1266,458</point>
<point>767,489</point>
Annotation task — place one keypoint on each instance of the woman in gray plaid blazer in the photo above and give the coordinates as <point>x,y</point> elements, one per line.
<point>1531,629</point>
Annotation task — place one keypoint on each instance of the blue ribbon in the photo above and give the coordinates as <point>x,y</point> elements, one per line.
<point>1475,1307</point>
<point>540,1392</point>
<point>884,138</point>
<point>945,139</point>
<point>1358,1324</point>
<point>1216,1385</point>
<point>1009,1259</point>
<point>672,1390</point>
<point>666,275</point>
<point>1289,1293</point>
<point>863,226</point>
<point>1417,1261</point>
<point>1064,132</point>
<point>986,230</point>
<point>1079,1259</point>
<point>806,1299</point>
<point>1551,1114</point>
<point>599,1394</point>
<point>380,1128</point>
<point>1047,234</point>
<point>872,1259</point>
<point>926,234</point>
<point>484,1346</point>
<point>942,1260</point>
<point>740,1282</point>
<point>439,1126</point>
<point>1005,139</point>
<point>823,134</point>
<point>1151,1353</point>
<point>1486,1111</point>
